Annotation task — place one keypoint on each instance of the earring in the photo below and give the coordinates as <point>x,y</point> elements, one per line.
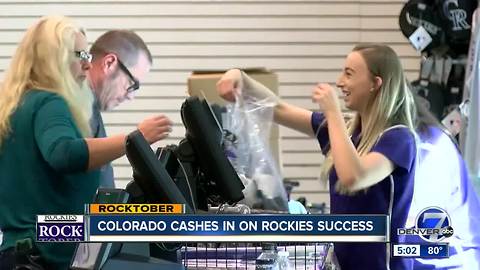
<point>372,89</point>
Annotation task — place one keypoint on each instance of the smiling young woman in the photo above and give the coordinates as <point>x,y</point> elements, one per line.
<point>370,160</point>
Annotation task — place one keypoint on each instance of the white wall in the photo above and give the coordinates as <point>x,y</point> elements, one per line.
<point>303,41</point>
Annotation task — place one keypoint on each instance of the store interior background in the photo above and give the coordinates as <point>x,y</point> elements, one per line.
<point>303,42</point>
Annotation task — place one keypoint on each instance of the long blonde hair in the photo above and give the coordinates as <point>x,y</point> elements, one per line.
<point>42,61</point>
<point>392,105</point>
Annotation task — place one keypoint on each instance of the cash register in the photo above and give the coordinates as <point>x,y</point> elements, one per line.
<point>195,173</point>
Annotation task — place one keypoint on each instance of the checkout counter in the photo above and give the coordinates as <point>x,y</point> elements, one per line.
<point>195,173</point>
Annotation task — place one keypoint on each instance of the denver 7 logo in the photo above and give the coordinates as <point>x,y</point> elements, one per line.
<point>434,223</point>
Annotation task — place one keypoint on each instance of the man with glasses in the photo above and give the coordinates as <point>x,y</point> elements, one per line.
<point>121,60</point>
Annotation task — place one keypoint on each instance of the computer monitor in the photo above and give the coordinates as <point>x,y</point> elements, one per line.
<point>90,256</point>
<point>150,175</point>
<point>205,136</point>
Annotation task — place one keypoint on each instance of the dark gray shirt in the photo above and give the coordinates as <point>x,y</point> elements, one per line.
<point>98,131</point>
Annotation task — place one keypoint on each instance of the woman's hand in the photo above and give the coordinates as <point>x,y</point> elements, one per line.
<point>235,83</point>
<point>326,96</point>
<point>230,85</point>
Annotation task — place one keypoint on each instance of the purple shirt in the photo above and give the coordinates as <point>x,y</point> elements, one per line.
<point>391,196</point>
<point>441,170</point>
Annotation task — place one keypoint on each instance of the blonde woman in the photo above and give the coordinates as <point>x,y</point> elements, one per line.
<point>48,165</point>
<point>370,160</point>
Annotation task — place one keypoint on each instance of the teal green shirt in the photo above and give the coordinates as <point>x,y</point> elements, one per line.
<point>43,170</point>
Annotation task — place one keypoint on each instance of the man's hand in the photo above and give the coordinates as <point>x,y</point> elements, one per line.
<point>155,128</point>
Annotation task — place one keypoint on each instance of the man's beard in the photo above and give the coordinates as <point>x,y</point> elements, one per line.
<point>108,92</point>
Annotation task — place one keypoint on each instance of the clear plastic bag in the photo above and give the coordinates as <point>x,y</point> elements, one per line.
<point>247,125</point>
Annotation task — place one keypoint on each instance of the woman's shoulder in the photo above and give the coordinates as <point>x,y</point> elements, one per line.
<point>398,132</point>
<point>38,93</point>
<point>39,97</point>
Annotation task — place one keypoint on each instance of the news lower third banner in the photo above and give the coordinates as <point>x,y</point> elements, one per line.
<point>164,223</point>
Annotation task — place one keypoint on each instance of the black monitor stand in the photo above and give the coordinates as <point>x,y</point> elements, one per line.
<point>182,164</point>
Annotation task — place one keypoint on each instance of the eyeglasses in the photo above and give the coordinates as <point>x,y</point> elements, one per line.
<point>84,56</point>
<point>136,83</point>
